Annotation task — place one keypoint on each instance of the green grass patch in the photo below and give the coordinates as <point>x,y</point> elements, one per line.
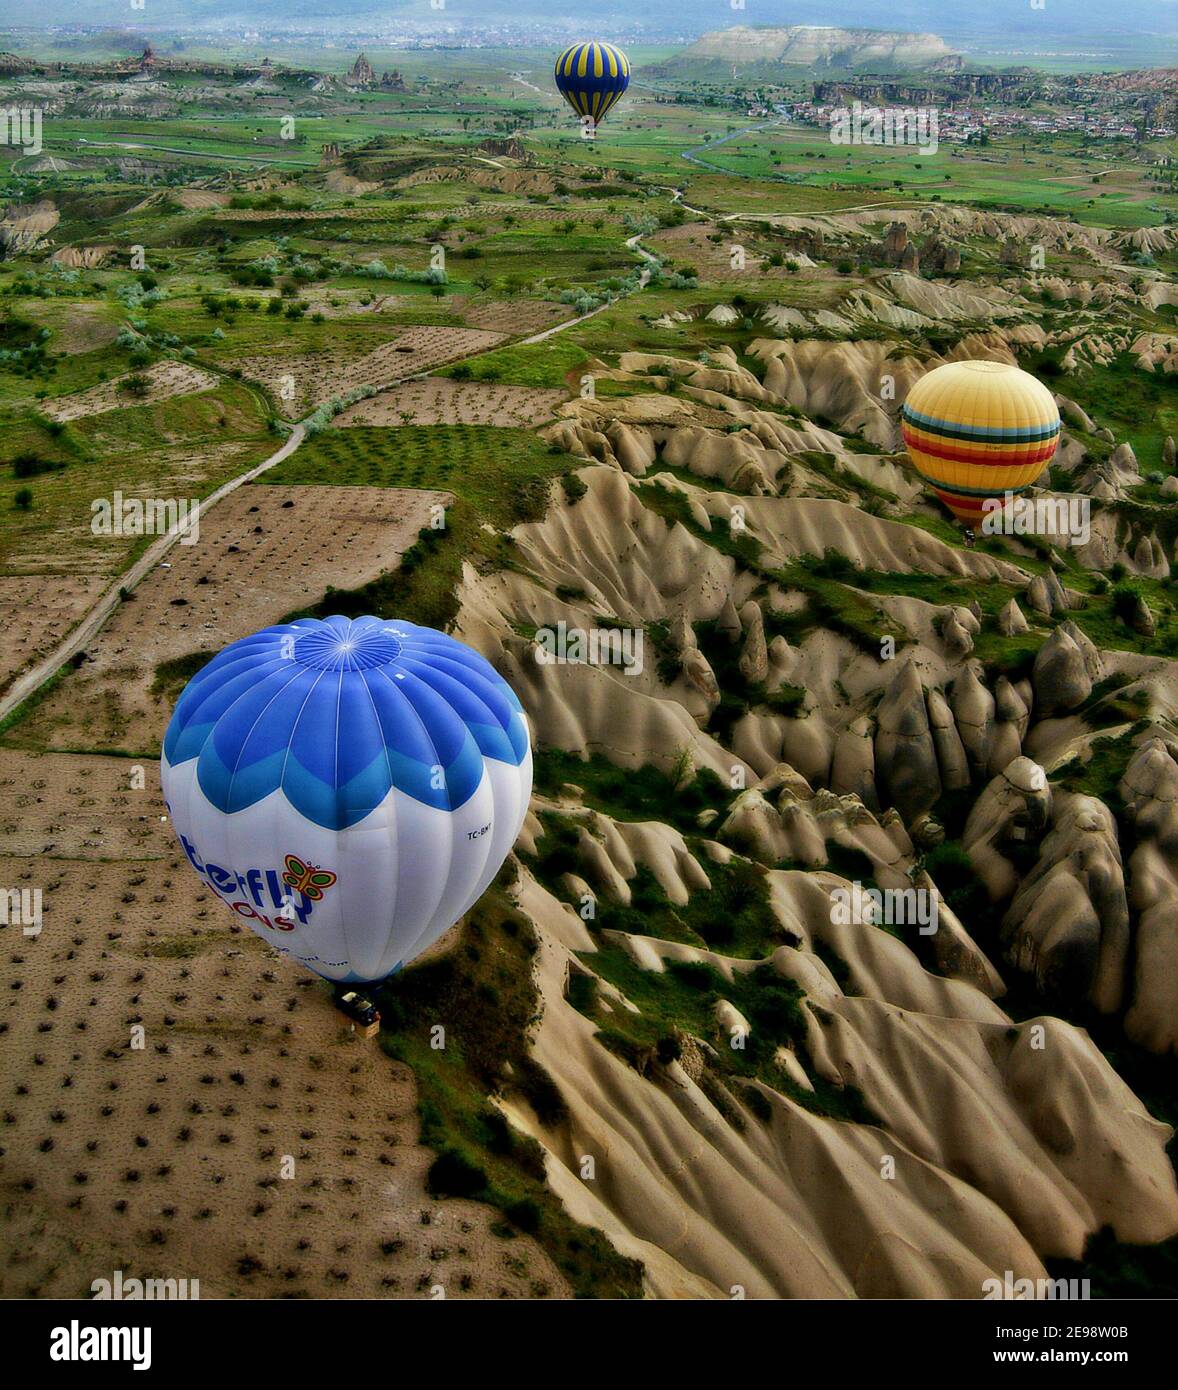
<point>680,1002</point>
<point>484,994</point>
<point>672,507</point>
<point>503,476</point>
<point>173,675</point>
<point>1141,407</point>
<point>832,602</point>
<point>504,473</point>
<point>545,365</point>
<point>630,794</point>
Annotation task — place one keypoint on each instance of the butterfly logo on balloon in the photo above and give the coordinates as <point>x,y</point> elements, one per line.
<point>308,879</point>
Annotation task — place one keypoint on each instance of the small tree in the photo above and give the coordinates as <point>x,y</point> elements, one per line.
<point>23,499</point>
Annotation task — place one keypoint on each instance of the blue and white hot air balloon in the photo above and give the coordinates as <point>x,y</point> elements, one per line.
<point>347,787</point>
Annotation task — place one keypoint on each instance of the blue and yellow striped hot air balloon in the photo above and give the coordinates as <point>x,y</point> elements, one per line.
<point>977,430</point>
<point>592,77</point>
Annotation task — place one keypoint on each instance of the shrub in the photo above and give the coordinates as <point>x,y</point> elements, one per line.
<point>574,488</point>
<point>452,1174</point>
<point>28,465</point>
<point>697,975</point>
<point>524,1213</point>
<point>542,1092</point>
<point>952,870</point>
<point>1124,602</point>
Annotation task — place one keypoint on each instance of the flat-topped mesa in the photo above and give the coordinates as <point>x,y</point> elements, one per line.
<point>806,45</point>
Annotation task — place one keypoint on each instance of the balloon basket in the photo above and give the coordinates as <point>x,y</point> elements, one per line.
<point>358,1009</point>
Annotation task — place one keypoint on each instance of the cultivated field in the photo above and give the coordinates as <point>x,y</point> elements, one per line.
<point>36,613</point>
<point>261,554</point>
<point>441,401</point>
<point>159,383</point>
<point>301,382</point>
<point>152,1116</point>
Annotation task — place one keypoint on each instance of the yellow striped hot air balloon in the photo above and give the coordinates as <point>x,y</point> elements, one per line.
<point>977,430</point>
<point>592,77</point>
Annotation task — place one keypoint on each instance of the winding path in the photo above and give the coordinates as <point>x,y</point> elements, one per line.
<point>33,679</point>
<point>30,681</point>
<point>693,154</point>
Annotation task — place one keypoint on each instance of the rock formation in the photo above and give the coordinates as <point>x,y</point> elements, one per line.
<point>362,73</point>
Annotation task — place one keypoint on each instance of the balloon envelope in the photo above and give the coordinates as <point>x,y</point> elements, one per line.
<point>592,77</point>
<point>347,787</point>
<point>977,430</point>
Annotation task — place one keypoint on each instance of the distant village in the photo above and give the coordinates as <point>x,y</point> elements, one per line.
<point>975,124</point>
<point>972,108</point>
